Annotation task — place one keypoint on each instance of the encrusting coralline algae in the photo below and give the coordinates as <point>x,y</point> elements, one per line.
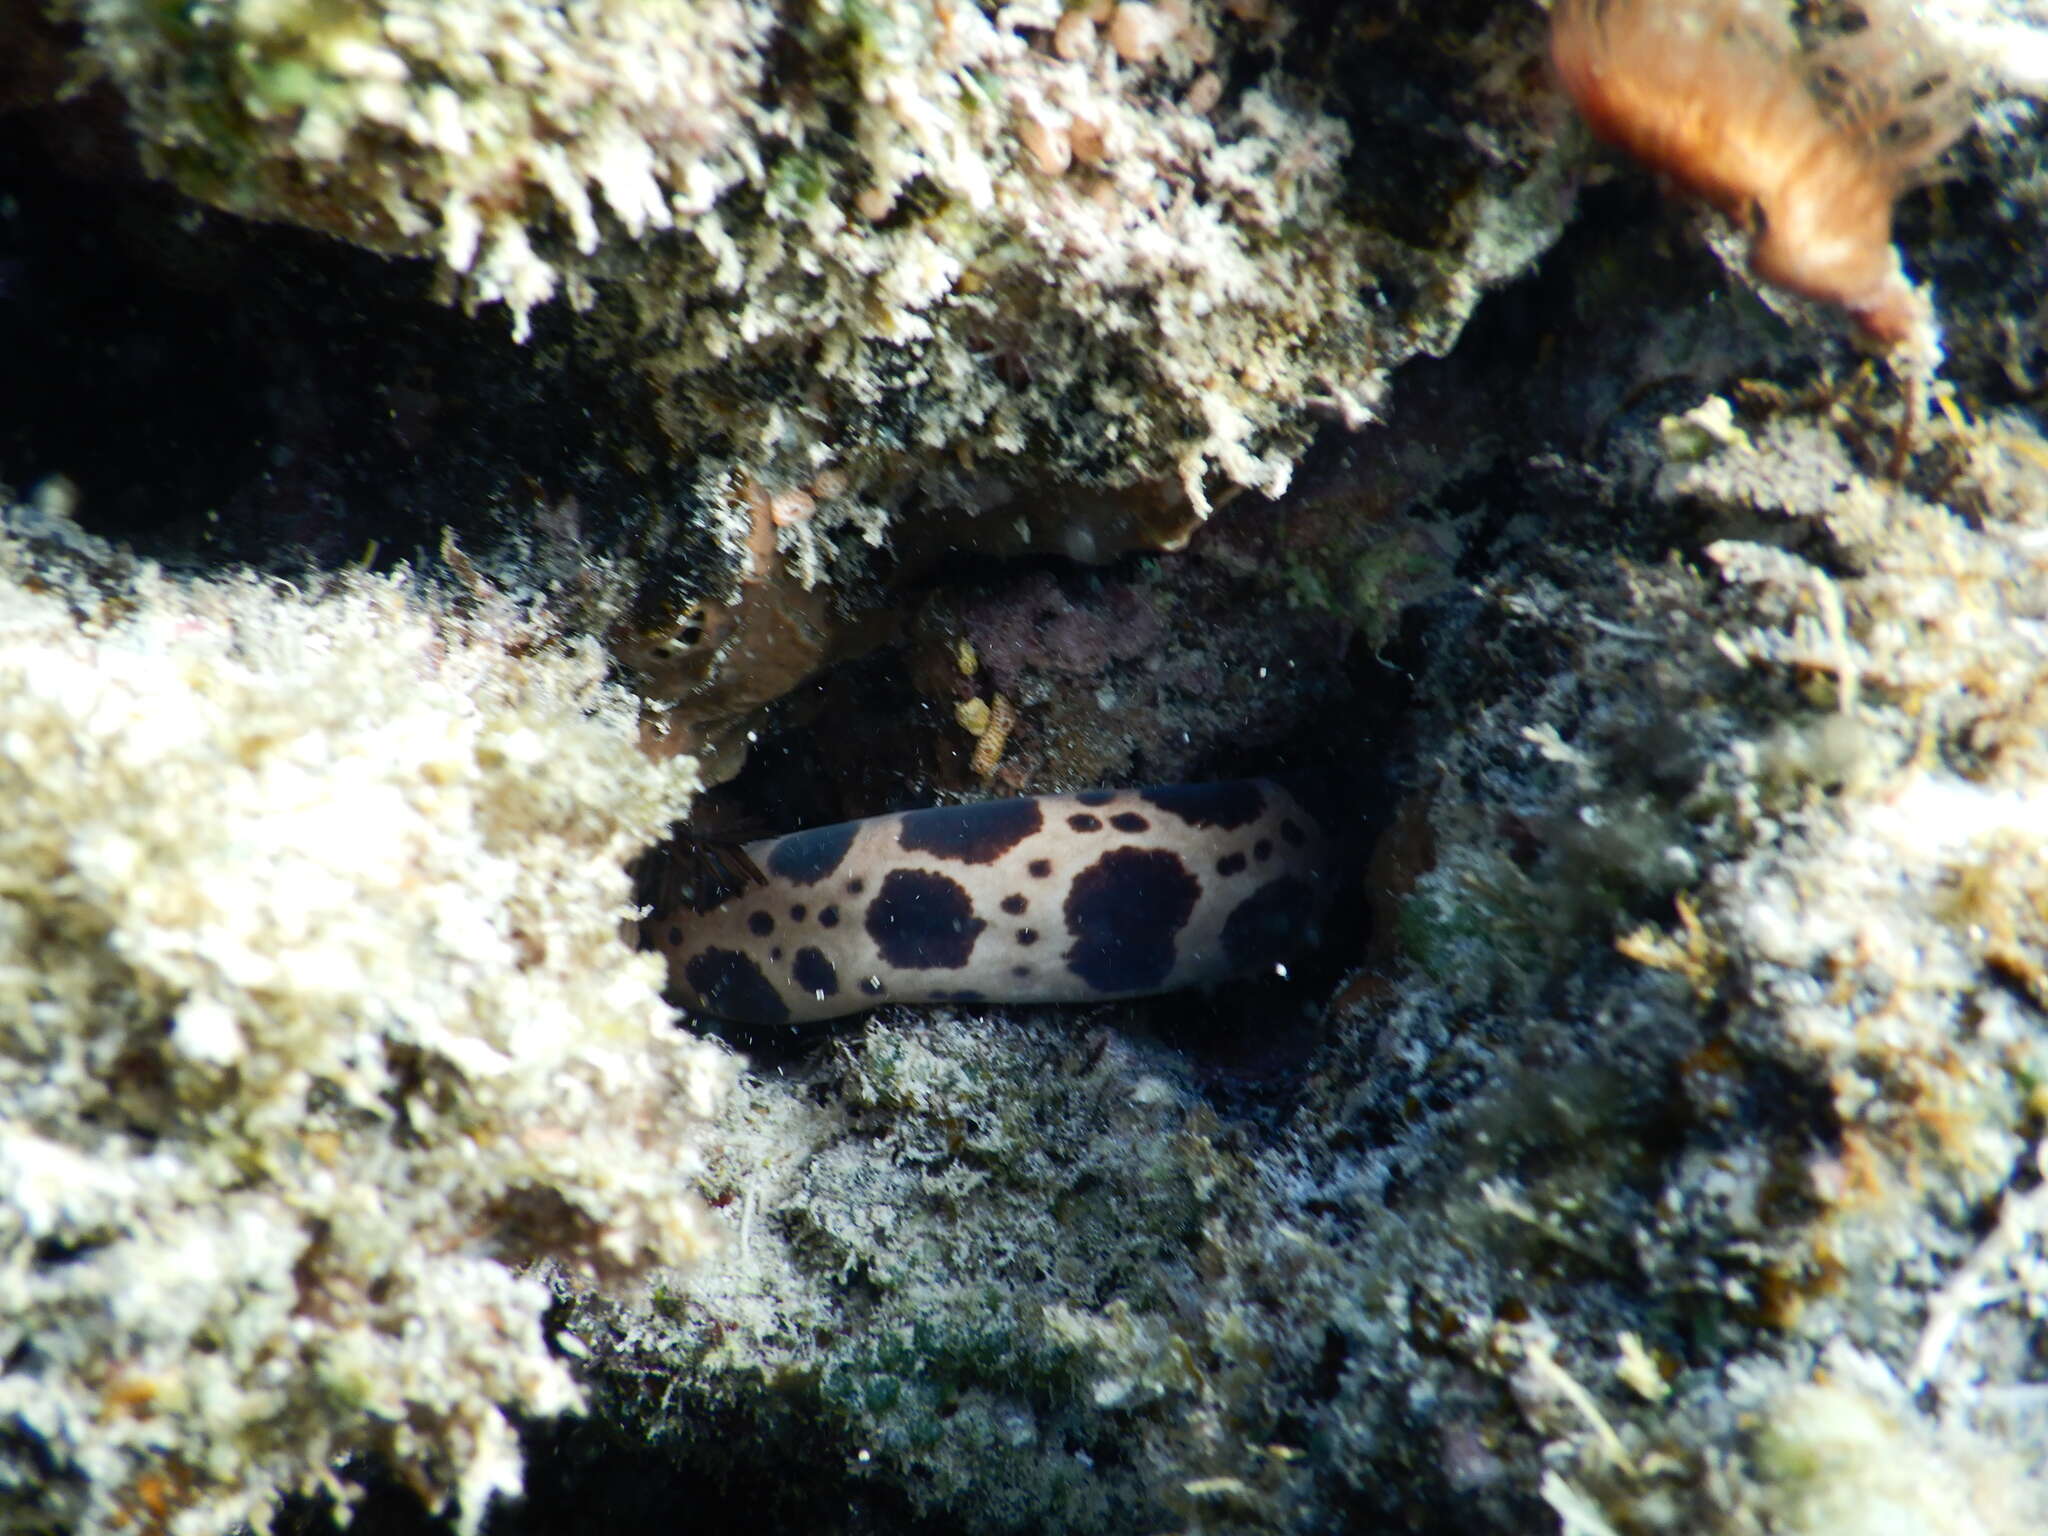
<point>314,1019</point>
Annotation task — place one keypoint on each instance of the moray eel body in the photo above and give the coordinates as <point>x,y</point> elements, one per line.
<point>1053,899</point>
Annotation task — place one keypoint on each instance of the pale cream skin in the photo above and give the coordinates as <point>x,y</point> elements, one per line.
<point>1056,898</point>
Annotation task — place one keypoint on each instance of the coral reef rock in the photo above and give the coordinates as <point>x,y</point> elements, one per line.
<point>858,249</point>
<point>315,1029</point>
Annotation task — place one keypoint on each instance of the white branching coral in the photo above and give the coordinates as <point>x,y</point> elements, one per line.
<point>315,1023</point>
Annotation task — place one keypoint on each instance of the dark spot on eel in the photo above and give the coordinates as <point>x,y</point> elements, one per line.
<point>1224,806</point>
<point>1129,821</point>
<point>729,985</point>
<point>1230,864</point>
<point>1027,936</point>
<point>796,913</point>
<point>970,834</point>
<point>1095,797</point>
<point>1015,905</point>
<point>1039,868</point>
<point>855,886</point>
<point>1081,821</point>
<point>1291,833</point>
<point>805,858</point>
<point>871,985</point>
<point>814,973</point>
<point>1269,924</point>
<point>1124,913</point>
<point>1262,850</point>
<point>828,917</point>
<point>675,936</point>
<point>760,924</point>
<point>922,921</point>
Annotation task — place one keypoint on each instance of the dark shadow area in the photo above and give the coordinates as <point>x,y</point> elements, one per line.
<point>224,393</point>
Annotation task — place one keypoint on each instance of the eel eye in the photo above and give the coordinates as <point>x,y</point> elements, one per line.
<point>666,639</point>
